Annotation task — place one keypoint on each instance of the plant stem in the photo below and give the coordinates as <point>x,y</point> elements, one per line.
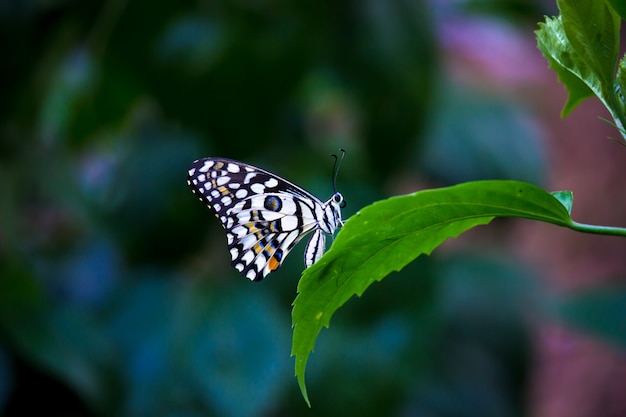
<point>616,110</point>
<point>598,230</point>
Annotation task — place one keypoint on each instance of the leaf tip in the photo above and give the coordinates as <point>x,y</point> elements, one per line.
<point>300,367</point>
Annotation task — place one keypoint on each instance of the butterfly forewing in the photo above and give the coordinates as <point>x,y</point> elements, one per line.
<point>264,215</point>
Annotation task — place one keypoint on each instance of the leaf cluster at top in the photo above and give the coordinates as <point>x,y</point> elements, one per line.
<point>582,46</point>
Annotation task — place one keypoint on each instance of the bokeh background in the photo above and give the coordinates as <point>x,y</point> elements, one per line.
<point>116,293</point>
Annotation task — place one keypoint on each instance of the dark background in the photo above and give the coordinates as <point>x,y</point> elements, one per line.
<point>116,291</point>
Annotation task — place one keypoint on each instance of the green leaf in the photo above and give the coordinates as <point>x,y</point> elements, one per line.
<point>387,235</point>
<point>601,311</point>
<point>581,45</point>
<point>562,58</point>
<point>566,198</point>
<point>593,31</point>
<point>620,79</point>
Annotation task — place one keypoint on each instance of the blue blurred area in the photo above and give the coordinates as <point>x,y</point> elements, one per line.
<point>116,291</point>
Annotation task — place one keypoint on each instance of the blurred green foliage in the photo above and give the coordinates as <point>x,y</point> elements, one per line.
<point>116,293</point>
<point>598,311</point>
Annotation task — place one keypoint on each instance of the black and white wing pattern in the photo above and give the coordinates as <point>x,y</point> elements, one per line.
<point>263,214</point>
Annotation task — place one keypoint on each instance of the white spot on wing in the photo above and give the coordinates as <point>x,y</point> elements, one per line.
<point>306,212</point>
<point>257,188</point>
<point>272,215</point>
<point>239,231</point>
<point>289,223</point>
<point>260,262</point>
<point>249,177</point>
<point>234,168</point>
<point>247,257</point>
<point>207,165</point>
<point>291,237</point>
<point>289,206</point>
<point>271,183</point>
<point>248,241</point>
<point>257,202</point>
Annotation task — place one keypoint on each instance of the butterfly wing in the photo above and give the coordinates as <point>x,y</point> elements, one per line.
<point>264,215</point>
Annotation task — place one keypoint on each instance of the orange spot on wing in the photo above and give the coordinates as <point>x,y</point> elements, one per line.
<point>273,264</point>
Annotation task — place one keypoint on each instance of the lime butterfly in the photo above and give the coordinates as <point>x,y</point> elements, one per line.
<point>263,214</point>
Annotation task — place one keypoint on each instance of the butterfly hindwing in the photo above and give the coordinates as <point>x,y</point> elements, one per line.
<point>264,216</point>
<point>265,228</point>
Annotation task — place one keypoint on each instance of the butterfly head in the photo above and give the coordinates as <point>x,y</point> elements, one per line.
<point>339,200</point>
<point>332,209</point>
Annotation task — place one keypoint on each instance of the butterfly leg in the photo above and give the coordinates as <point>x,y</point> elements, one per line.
<point>315,248</point>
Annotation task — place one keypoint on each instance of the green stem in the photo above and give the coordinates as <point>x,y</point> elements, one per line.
<point>616,110</point>
<point>598,230</point>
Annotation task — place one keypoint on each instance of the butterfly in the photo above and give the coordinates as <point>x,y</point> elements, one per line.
<point>264,215</point>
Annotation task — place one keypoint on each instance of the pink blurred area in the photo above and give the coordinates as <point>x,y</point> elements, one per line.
<point>575,375</point>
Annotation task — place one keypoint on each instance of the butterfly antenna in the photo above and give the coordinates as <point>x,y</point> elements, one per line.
<point>336,167</point>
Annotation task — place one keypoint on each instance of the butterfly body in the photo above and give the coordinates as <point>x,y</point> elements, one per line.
<point>264,215</point>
